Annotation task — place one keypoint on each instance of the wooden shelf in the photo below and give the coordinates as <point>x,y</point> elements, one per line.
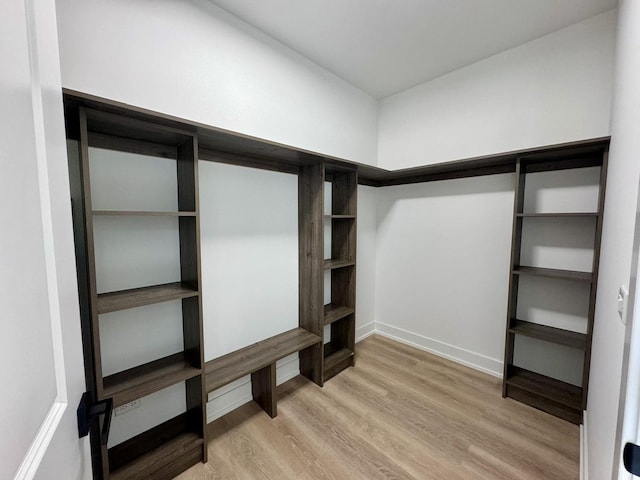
<point>553,273</point>
<point>151,377</point>
<point>137,297</point>
<point>337,263</point>
<point>336,357</point>
<point>333,312</point>
<point>549,334</point>
<point>161,452</point>
<point>546,387</point>
<point>340,217</point>
<point>234,365</point>
<point>558,215</point>
<point>141,213</point>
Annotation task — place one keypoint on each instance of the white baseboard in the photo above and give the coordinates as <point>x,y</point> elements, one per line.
<point>584,454</point>
<point>465,357</point>
<point>364,331</point>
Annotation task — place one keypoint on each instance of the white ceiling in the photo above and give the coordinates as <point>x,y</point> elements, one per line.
<point>386,46</point>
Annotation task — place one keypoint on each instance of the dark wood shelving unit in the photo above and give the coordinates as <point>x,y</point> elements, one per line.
<point>138,297</point>
<point>167,449</point>
<point>171,447</point>
<point>315,363</point>
<point>339,352</point>
<point>540,391</point>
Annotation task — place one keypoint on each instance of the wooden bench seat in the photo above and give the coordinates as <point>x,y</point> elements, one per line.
<point>259,360</point>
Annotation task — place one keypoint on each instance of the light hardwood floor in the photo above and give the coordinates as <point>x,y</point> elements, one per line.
<point>401,413</point>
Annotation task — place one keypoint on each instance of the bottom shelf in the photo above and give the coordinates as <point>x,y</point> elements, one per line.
<point>336,360</point>
<point>545,393</point>
<point>159,453</point>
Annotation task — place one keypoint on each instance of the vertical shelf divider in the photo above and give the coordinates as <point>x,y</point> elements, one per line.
<point>516,242</point>
<point>311,265</point>
<point>190,273</point>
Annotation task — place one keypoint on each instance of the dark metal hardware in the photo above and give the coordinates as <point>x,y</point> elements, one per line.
<point>87,412</point>
<point>631,458</point>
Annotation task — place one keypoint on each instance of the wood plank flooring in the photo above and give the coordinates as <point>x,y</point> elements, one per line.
<point>401,413</point>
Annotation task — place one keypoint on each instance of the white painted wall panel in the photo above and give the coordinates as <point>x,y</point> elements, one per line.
<point>366,260</point>
<point>193,60</point>
<point>552,90</point>
<point>249,231</point>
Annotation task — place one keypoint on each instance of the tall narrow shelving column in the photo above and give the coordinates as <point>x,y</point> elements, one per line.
<point>339,351</point>
<point>570,223</point>
<point>170,447</point>
<point>323,361</point>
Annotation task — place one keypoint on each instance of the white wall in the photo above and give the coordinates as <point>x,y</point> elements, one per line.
<point>442,272</point>
<point>366,261</point>
<point>193,60</point>
<point>615,264</point>
<point>551,90</point>
<point>249,231</point>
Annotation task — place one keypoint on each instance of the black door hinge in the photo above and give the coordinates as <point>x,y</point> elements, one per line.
<point>88,412</point>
